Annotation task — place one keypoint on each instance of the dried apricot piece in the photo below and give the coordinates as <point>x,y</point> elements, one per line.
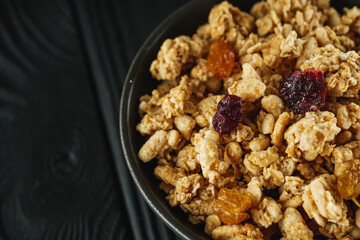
<point>231,205</point>
<point>221,59</point>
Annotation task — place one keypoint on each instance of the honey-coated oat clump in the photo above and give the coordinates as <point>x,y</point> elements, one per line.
<point>255,122</point>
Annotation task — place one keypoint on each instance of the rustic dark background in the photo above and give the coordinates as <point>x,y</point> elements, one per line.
<point>62,65</point>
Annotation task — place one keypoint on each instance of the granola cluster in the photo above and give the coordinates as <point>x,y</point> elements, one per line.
<point>300,171</point>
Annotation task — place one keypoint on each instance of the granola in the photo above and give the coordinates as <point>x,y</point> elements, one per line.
<point>301,172</point>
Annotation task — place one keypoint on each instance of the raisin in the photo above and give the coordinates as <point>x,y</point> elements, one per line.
<point>231,205</point>
<point>348,181</point>
<point>221,59</point>
<point>303,91</point>
<point>228,114</point>
<point>349,185</point>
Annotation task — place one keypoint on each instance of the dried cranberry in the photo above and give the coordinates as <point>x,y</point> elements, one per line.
<point>303,91</point>
<point>223,124</point>
<point>230,106</point>
<point>228,114</point>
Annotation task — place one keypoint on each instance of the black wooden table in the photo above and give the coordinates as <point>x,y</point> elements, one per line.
<point>62,66</point>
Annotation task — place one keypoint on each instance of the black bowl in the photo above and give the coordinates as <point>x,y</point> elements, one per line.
<point>139,82</point>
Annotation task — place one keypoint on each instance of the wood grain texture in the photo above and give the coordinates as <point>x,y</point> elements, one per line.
<point>58,178</point>
<point>62,65</point>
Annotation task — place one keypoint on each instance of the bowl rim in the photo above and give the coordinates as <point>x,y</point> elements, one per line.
<point>123,119</point>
